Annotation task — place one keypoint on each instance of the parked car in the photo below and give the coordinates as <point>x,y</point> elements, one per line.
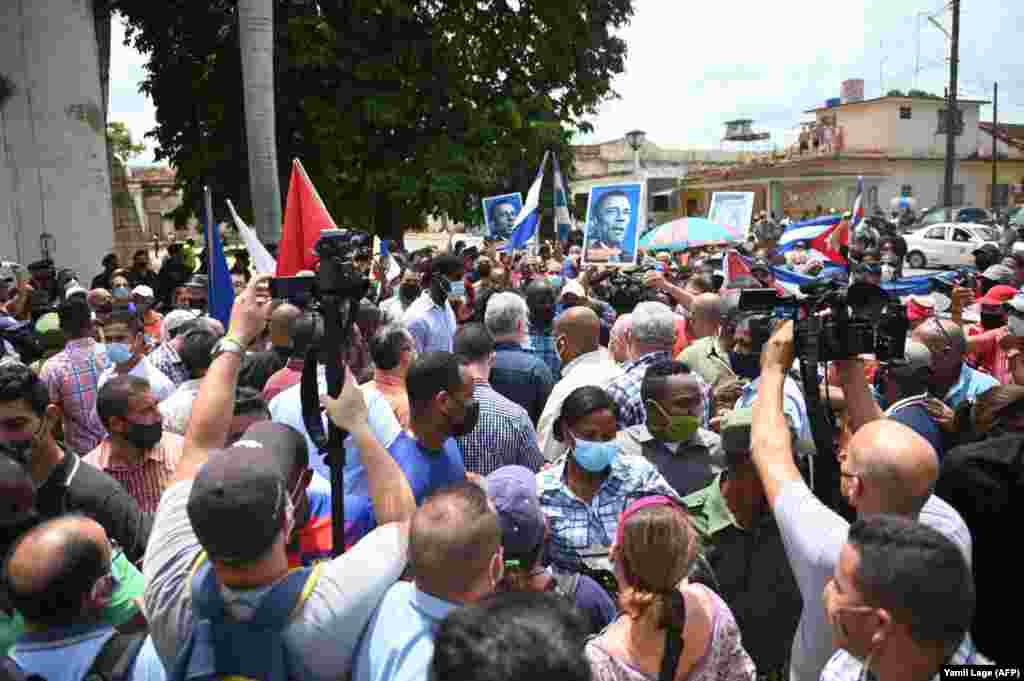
<point>948,244</point>
<point>969,214</point>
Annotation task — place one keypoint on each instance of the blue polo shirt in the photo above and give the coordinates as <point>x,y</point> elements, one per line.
<point>67,653</point>
<point>522,377</point>
<point>398,643</point>
<point>427,471</point>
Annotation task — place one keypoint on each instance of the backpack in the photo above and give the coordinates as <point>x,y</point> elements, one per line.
<point>218,646</point>
<point>984,482</point>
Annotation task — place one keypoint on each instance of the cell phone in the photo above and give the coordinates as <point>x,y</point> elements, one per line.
<point>292,288</point>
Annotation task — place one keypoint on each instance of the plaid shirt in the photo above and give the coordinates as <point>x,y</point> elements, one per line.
<point>503,436</point>
<point>625,391</point>
<point>166,359</point>
<point>575,525</point>
<point>543,345</point>
<point>72,377</point>
<point>145,481</point>
<point>845,667</point>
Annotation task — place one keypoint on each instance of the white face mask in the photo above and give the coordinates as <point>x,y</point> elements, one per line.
<point>1016,325</point>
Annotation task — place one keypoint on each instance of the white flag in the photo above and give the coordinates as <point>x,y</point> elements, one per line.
<point>261,258</point>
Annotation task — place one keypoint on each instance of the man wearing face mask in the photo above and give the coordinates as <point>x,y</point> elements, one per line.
<point>61,577</point>
<point>985,348</point>
<point>899,604</point>
<point>540,299</point>
<point>126,350</point>
<point>137,453</point>
<point>684,453</point>
<point>63,484</point>
<point>393,309</point>
<point>431,319</point>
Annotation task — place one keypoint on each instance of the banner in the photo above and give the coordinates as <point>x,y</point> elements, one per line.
<point>732,209</point>
<point>500,215</point>
<point>613,224</point>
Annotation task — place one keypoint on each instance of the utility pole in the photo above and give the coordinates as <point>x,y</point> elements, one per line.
<point>995,140</point>
<point>951,110</point>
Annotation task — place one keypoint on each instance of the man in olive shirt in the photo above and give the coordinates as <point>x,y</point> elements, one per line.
<point>745,550</point>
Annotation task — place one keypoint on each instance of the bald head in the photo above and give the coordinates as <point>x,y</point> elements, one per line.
<point>453,539</point>
<point>898,468</point>
<point>53,568</point>
<point>620,333</point>
<point>581,329</point>
<point>281,319</point>
<point>705,315</point>
<point>933,337</point>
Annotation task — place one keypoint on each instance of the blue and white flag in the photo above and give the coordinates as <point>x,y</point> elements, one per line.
<point>858,204</point>
<point>563,221</point>
<point>525,228</point>
<point>220,293</point>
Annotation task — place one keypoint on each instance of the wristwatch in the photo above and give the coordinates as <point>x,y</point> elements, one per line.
<point>227,344</point>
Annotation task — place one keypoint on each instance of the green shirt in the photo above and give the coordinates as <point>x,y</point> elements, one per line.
<point>708,509</point>
<point>706,358</point>
<point>122,607</point>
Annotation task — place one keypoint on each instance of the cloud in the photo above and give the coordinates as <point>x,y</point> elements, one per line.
<point>127,104</point>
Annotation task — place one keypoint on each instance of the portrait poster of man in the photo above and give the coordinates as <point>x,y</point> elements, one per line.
<point>732,209</point>
<point>500,213</point>
<point>613,224</point>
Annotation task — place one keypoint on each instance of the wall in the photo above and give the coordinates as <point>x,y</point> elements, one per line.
<point>53,167</point>
<point>877,127</point>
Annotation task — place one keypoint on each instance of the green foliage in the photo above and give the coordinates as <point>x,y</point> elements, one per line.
<point>119,141</point>
<point>398,109</point>
<point>895,93</point>
<point>922,94</point>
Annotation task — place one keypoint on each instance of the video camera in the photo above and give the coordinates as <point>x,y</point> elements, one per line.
<point>335,292</point>
<point>832,322</point>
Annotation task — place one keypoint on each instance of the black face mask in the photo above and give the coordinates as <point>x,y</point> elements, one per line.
<point>745,365</point>
<point>145,436</point>
<point>468,423</point>
<point>992,320</point>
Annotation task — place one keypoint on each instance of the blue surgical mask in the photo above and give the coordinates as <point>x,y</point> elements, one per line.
<point>556,281</point>
<point>457,289</point>
<point>745,365</point>
<point>119,353</point>
<point>594,457</point>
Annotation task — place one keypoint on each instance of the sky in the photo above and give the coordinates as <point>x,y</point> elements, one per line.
<point>687,71</point>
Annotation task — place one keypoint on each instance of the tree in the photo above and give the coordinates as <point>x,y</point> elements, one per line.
<point>398,108</point>
<point>895,93</point>
<point>120,143</point>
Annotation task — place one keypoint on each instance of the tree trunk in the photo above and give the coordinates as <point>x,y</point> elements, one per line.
<point>54,176</point>
<point>256,38</point>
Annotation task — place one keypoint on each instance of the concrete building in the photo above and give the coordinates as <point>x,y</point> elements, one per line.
<point>897,144</point>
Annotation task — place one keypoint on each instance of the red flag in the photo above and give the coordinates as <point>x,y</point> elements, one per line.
<point>305,216</point>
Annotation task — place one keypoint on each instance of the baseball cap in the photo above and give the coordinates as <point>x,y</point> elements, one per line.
<point>237,502</point>
<point>997,295</point>
<point>513,489</point>
<point>920,307</point>
<point>176,318</point>
<point>142,291</point>
<point>286,444</point>
<point>999,273</point>
<point>736,427</point>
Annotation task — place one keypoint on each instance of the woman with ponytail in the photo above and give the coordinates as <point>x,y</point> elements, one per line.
<point>670,629</point>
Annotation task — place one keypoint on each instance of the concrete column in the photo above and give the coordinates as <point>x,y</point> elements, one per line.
<point>53,158</point>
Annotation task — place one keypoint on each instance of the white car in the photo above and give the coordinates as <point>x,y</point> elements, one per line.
<point>951,244</point>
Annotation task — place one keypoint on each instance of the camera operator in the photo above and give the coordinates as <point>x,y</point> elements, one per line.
<point>889,469</point>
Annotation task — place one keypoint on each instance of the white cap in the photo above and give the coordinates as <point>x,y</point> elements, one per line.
<point>142,291</point>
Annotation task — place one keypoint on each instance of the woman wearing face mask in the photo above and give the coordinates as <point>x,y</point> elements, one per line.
<point>584,491</point>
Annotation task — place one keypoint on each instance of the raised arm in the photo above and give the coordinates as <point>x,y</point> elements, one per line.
<point>860,404</point>
<point>770,440</point>
<point>214,406</point>
<point>390,492</point>
<point>679,295</point>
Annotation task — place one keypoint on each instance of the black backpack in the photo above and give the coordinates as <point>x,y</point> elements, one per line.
<point>984,481</point>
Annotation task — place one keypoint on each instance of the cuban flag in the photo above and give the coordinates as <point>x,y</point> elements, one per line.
<point>525,227</point>
<point>563,221</point>
<point>820,235</point>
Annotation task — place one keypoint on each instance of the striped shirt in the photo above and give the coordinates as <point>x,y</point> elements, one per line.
<point>168,361</point>
<point>503,436</point>
<point>147,481</point>
<point>72,377</point>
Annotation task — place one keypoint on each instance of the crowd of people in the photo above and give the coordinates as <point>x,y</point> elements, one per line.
<point>552,470</point>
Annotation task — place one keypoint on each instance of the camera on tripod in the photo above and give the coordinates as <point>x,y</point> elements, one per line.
<point>338,275</point>
<point>832,322</point>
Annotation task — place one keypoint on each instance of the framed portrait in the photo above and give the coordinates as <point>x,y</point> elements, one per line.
<point>500,213</point>
<point>732,209</point>
<point>614,216</point>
